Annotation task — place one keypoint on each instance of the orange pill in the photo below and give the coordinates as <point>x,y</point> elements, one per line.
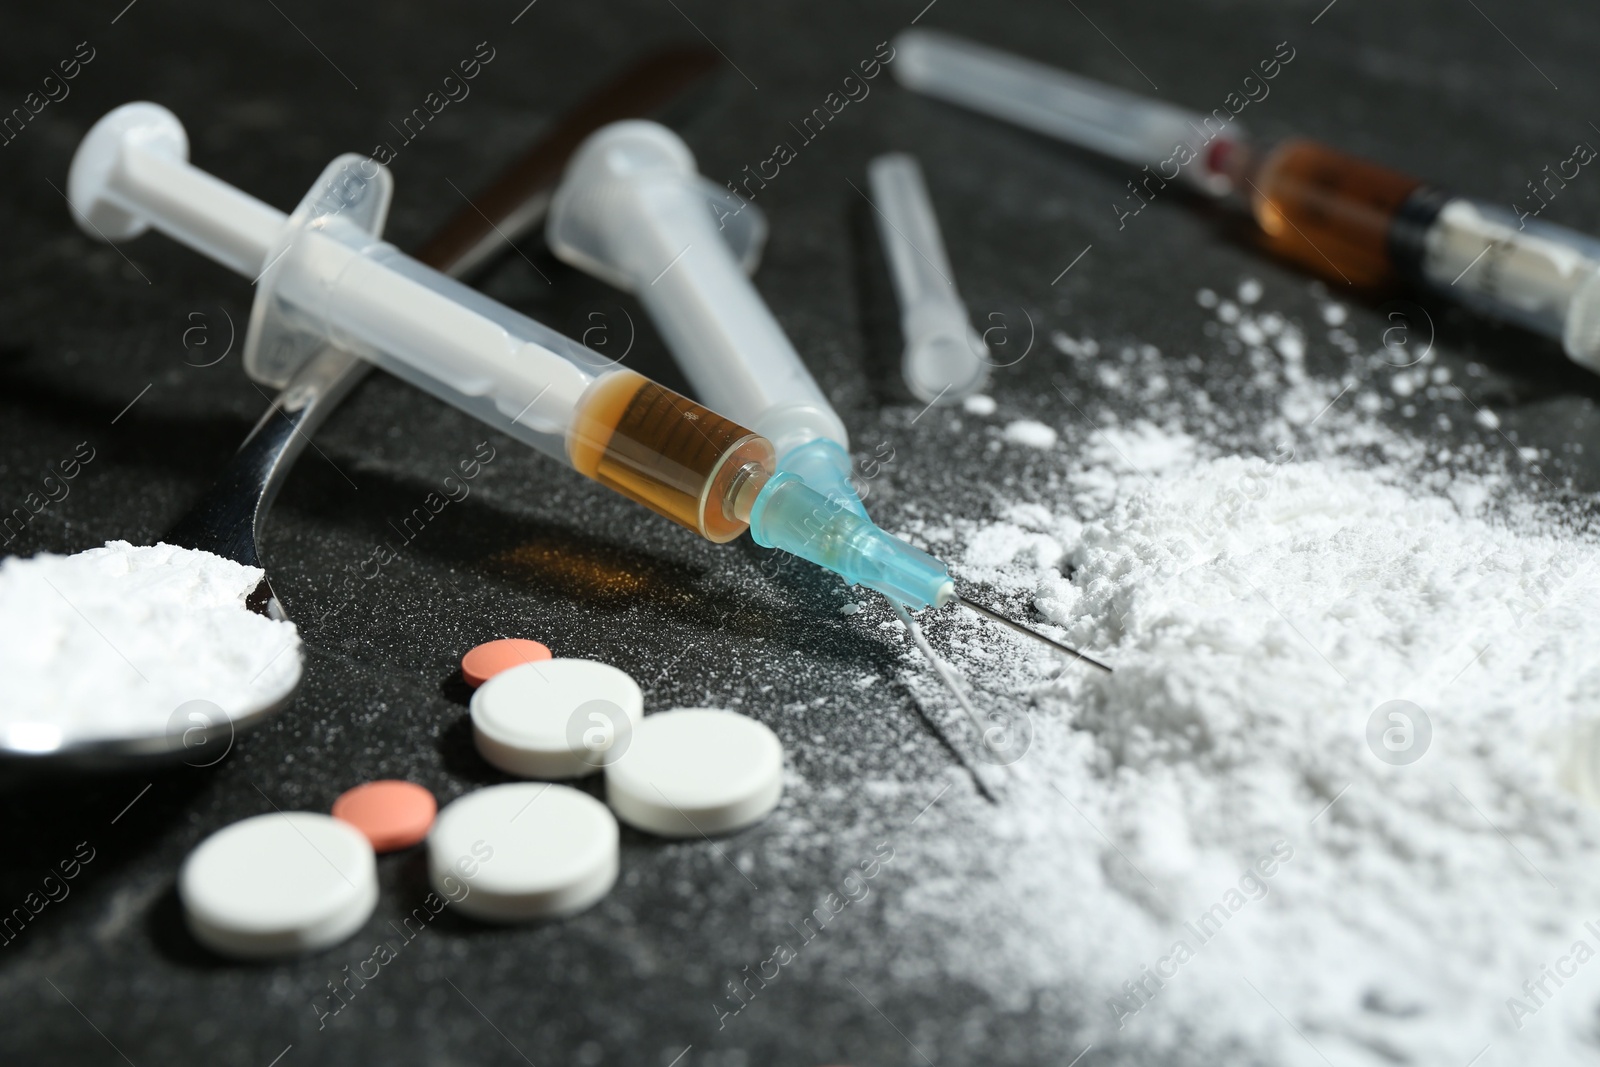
<point>492,657</point>
<point>393,815</point>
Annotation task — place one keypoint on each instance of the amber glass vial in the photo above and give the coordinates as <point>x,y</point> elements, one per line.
<point>669,453</point>
<point>1329,212</point>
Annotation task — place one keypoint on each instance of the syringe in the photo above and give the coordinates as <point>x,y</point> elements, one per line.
<point>323,276</point>
<point>633,210</point>
<point>1346,219</point>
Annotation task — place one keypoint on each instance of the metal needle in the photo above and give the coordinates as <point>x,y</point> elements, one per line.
<point>1025,631</point>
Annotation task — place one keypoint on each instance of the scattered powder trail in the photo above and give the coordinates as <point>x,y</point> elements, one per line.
<point>1203,858</point>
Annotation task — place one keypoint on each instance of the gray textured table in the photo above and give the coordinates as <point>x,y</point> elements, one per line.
<point>269,93</point>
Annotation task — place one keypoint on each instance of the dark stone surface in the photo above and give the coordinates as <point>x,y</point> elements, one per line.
<point>108,974</point>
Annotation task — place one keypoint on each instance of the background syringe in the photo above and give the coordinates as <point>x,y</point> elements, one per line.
<point>1349,220</point>
<point>324,276</point>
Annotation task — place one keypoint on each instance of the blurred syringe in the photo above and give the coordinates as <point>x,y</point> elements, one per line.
<point>1351,221</point>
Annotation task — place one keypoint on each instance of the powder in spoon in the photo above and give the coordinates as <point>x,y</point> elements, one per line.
<point>110,642</point>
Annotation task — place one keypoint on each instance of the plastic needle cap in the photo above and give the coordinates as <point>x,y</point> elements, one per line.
<point>945,360</point>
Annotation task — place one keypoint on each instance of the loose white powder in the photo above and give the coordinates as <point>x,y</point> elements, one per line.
<point>1031,433</point>
<point>1259,609</point>
<point>110,642</point>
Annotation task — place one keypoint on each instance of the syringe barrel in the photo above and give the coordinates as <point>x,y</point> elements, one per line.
<point>1080,111</point>
<point>1332,213</point>
<point>1366,225</point>
<point>1537,274</point>
<point>670,454</point>
<point>637,437</point>
<point>337,283</point>
<point>633,210</point>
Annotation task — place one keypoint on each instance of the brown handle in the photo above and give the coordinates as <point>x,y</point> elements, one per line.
<point>521,196</point>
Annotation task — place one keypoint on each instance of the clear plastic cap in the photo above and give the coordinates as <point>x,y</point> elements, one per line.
<point>945,360</point>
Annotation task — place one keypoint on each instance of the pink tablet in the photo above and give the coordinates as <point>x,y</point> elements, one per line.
<point>393,815</point>
<point>492,657</point>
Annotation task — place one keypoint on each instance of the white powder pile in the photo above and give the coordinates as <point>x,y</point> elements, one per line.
<point>1214,855</point>
<point>109,643</point>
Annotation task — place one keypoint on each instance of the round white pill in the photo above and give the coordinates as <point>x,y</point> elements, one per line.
<point>560,718</point>
<point>279,884</point>
<point>696,771</point>
<point>523,851</point>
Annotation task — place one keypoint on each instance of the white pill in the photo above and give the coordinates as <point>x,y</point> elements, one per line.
<point>523,851</point>
<point>696,771</point>
<point>560,718</point>
<point>279,884</point>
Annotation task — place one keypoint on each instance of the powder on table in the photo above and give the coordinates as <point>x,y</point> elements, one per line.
<point>1394,923</point>
<point>1239,787</point>
<point>1030,433</point>
<point>1257,615</point>
<point>110,642</point>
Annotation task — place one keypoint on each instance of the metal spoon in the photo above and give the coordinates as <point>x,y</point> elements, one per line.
<point>229,518</point>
